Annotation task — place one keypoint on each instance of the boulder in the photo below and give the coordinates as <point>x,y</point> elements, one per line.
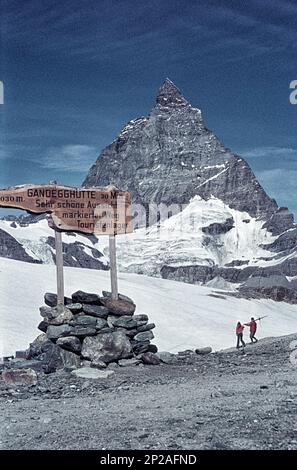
<point>106,347</point>
<point>125,321</point>
<point>119,307</point>
<point>82,331</point>
<point>96,311</point>
<point>84,320</point>
<point>75,308</point>
<point>167,357</point>
<point>145,327</point>
<point>36,347</point>
<point>51,299</point>
<point>140,347</point>
<point>54,332</point>
<point>206,350</point>
<point>70,360</point>
<point>26,377</point>
<point>120,296</point>
<point>144,336</point>
<point>48,313</point>
<point>150,359</point>
<point>70,343</point>
<point>86,298</point>
<point>43,326</point>
<point>92,373</point>
<point>141,317</point>
<point>49,356</point>
<point>153,348</point>
<point>65,316</point>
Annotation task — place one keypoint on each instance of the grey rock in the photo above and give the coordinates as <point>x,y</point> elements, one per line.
<point>147,327</point>
<point>150,359</point>
<point>43,326</point>
<point>27,377</point>
<point>141,317</point>
<point>119,307</point>
<point>36,347</point>
<point>106,347</point>
<point>125,322</point>
<point>54,332</point>
<point>48,313</point>
<point>84,320</point>
<point>219,228</point>
<point>29,363</point>
<point>96,310</point>
<point>51,299</point>
<point>75,308</point>
<point>144,336</point>
<point>64,316</point>
<point>86,298</point>
<point>203,351</point>
<point>82,331</point>
<point>70,343</point>
<point>167,357</point>
<point>120,296</point>
<point>92,373</point>
<point>140,347</point>
<point>70,360</point>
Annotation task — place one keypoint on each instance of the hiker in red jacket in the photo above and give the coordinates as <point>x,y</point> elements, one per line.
<point>253,328</point>
<point>239,333</point>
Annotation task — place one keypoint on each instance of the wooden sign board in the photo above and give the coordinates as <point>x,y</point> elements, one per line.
<point>103,211</point>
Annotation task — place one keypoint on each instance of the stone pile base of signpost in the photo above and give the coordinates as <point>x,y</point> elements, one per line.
<point>92,331</point>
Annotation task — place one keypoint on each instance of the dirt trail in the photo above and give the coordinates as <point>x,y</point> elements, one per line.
<point>226,400</point>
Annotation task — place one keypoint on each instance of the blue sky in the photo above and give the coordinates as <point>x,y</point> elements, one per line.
<point>75,72</point>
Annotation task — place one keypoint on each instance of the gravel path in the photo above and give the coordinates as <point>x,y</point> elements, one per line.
<point>226,400</point>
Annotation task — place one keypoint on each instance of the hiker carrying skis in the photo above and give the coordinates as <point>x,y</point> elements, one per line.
<point>239,334</point>
<point>253,328</point>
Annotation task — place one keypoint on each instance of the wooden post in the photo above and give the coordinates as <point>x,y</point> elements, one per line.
<point>113,267</point>
<point>59,267</point>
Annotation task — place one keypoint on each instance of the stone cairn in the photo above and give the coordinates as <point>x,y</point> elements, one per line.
<point>92,331</point>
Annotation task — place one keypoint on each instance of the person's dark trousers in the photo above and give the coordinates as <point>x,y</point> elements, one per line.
<point>253,338</point>
<point>240,340</point>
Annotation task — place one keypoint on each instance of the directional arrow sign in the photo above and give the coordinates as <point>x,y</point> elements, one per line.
<point>103,211</point>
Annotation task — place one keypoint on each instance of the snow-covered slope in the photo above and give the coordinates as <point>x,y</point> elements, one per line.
<point>186,316</point>
<point>188,238</point>
<point>178,240</point>
<point>207,243</point>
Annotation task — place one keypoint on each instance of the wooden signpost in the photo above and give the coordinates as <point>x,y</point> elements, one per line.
<point>101,211</point>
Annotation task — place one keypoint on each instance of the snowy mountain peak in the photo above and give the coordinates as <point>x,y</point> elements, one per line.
<point>169,94</point>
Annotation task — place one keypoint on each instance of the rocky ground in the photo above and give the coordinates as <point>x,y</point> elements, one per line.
<point>226,400</point>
